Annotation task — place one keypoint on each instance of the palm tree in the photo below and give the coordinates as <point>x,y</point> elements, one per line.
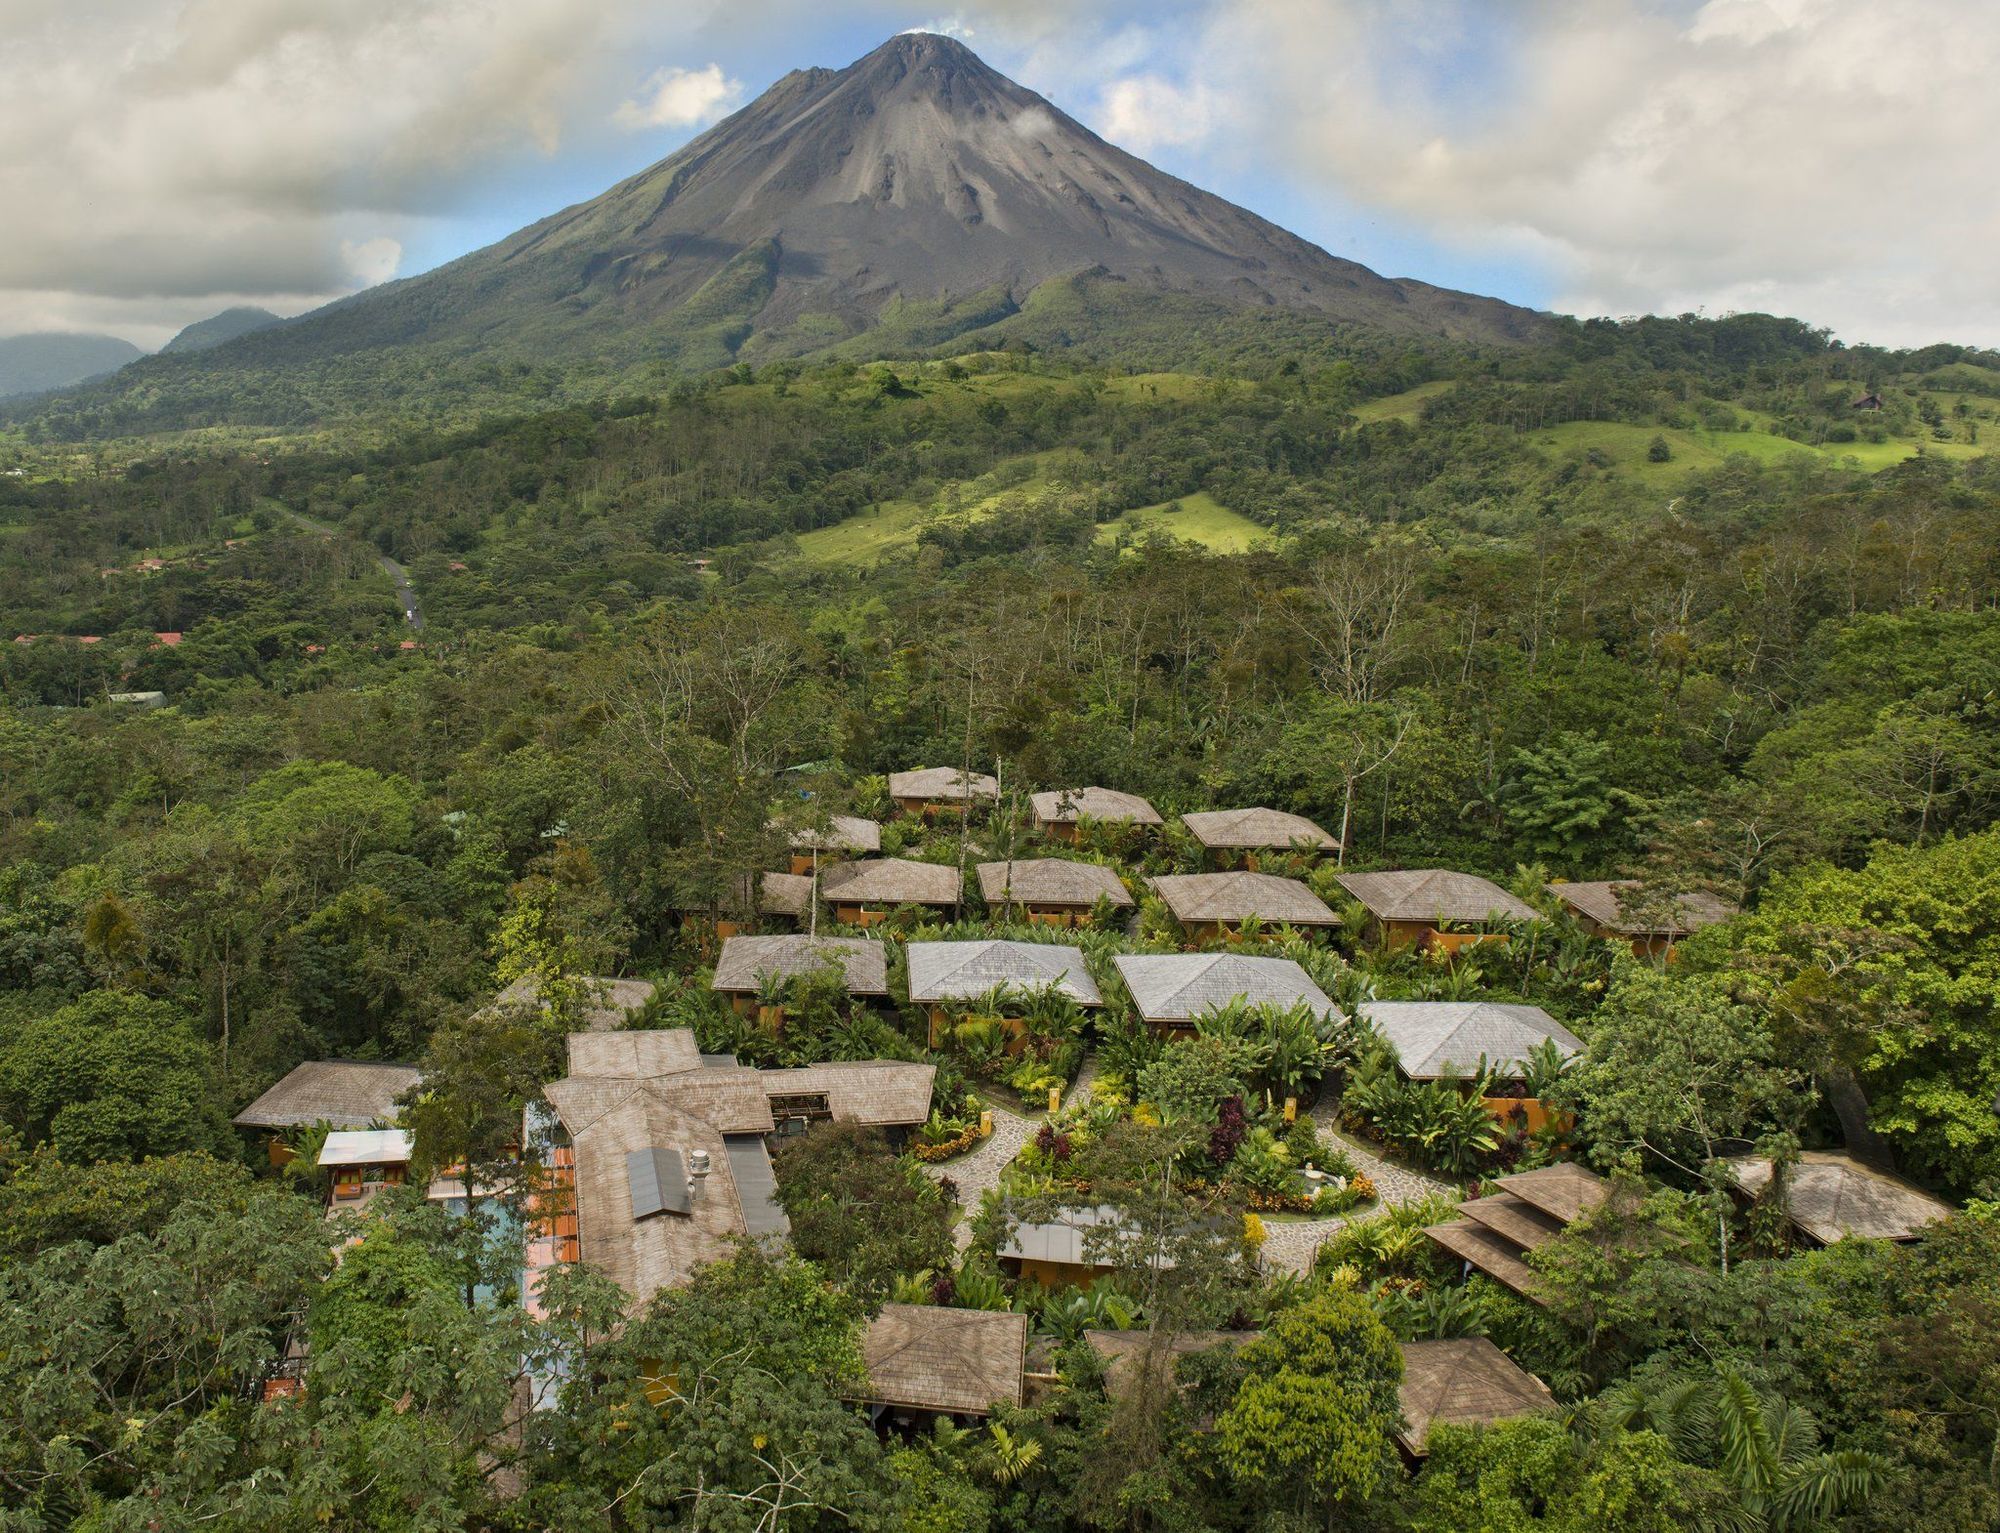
<point>1010,1454</point>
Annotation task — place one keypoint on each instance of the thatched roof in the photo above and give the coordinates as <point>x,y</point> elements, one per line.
<point>1256,830</point>
<point>1199,898</point>
<point>883,1093</point>
<point>943,785</point>
<point>1466,1381</point>
<point>744,961</point>
<point>347,1093</point>
<point>785,894</point>
<point>961,971</point>
<point>1434,1039</point>
<point>1051,881</point>
<point>610,1002</point>
<point>1172,988</point>
<point>960,1361</point>
<point>843,833</point>
<point>1832,1197</point>
<point>645,1252</point>
<point>1491,1253</point>
<point>634,1055</point>
<point>891,881</point>
<point>365,1147</point>
<point>1065,806</point>
<point>1435,894</point>
<point>1564,1191</point>
<point>1615,905</point>
<point>1124,1352</point>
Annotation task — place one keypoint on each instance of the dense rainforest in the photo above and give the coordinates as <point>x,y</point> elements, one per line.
<point>1712,605</point>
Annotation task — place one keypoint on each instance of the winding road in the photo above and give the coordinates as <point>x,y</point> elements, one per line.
<point>398,576</point>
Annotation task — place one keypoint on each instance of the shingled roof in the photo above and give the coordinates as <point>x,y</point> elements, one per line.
<point>1435,894</point>
<point>1530,1208</point>
<point>883,1093</point>
<point>1466,1381</point>
<point>744,961</point>
<point>1124,1351</point>
<point>1173,988</point>
<point>347,1093</point>
<point>843,833</point>
<point>1832,1197</point>
<point>1051,881</point>
<point>891,881</point>
<point>1065,806</point>
<point>961,971</point>
<point>784,894</point>
<point>1434,1039</point>
<point>959,1361</point>
<point>1256,830</point>
<point>610,1002</point>
<point>1615,905</point>
<point>943,785</point>
<point>1199,898</point>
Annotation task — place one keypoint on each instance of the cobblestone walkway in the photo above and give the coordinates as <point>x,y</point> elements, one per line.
<point>1292,1244</point>
<point>1079,1089</point>
<point>978,1172</point>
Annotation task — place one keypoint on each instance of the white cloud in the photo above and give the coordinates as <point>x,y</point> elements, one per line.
<point>1829,159</point>
<point>1145,112</point>
<point>682,98</point>
<point>947,26</point>
<point>371,261</point>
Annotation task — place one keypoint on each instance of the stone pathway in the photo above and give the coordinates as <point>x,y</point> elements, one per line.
<point>978,1171</point>
<point>1292,1244</point>
<point>1079,1089</point>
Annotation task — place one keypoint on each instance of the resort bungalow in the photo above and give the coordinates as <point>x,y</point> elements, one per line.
<point>1831,1196</point>
<point>1059,811</point>
<point>863,893</point>
<point>944,972</point>
<point>1435,907</point>
<point>1213,906</point>
<point>1171,991</point>
<point>846,835</point>
<point>1465,1381</point>
<point>656,1154</point>
<point>750,969</point>
<point>1233,833</point>
<point>1067,1250</point>
<point>344,1093</point>
<point>1494,1234</point>
<point>1050,891</point>
<point>934,790</point>
<point>1626,911</point>
<point>608,1003</point>
<point>363,1161</point>
<point>925,1362</point>
<point>783,898</point>
<point>1440,1040</point>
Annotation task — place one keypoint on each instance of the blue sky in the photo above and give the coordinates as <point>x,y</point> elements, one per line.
<point>1830,159</point>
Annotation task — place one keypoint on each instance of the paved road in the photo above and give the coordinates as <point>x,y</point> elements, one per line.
<point>398,576</point>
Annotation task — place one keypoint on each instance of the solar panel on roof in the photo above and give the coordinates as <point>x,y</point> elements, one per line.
<point>658,1181</point>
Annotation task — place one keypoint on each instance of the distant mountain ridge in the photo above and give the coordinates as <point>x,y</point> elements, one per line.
<point>35,364</point>
<point>218,328</point>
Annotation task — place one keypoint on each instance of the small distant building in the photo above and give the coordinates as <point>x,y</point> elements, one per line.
<point>1050,891</point>
<point>846,835</point>
<point>1831,1196</point>
<point>781,898</point>
<point>1465,1381</point>
<point>1870,401</point>
<point>747,965</point>
<point>1625,910</point>
<point>1058,812</point>
<point>1124,1352</point>
<point>1249,832</point>
<point>925,1362</point>
<point>1170,991</point>
<point>1437,1040</point>
<point>147,700</point>
<point>1066,1250</point>
<point>1435,907</point>
<point>1494,1234</point>
<point>363,1161</point>
<point>863,893</point>
<point>933,790</point>
<point>1212,906</point>
<point>943,972</point>
<point>345,1093</point>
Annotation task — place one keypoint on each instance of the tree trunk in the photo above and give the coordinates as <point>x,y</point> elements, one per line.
<point>1850,1106</point>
